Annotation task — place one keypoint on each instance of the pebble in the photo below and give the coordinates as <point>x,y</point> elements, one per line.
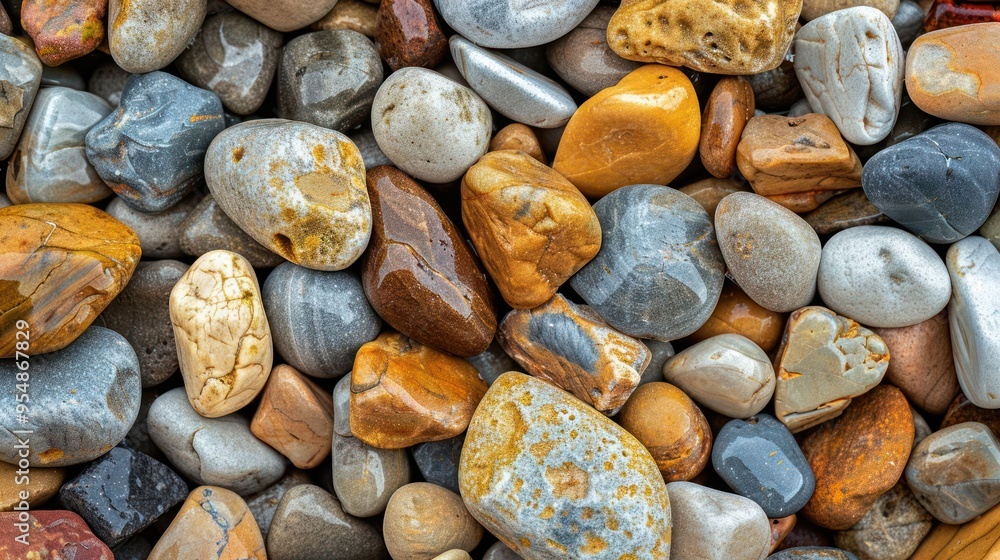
<point>63,31</point>
<point>328,78</point>
<point>828,52</point>
<point>213,524</point>
<point>814,9</point>
<point>438,461</point>
<point>582,57</point>
<point>771,253</point>
<point>84,399</point>
<point>776,89</point>
<point>571,347</point>
<point>159,234</point>
<point>41,485</point>
<point>844,211</point>
<point>284,15</point>
<point>107,82</point>
<point>940,184</point>
<point>716,525</point>
<point>882,277</point>
<point>122,493</point>
<point>530,226</point>
<point>509,24</point>
<point>962,410</point>
<point>295,417</point>
<point>877,429</point>
<point>6,27</point>
<point>223,339</point>
<point>891,530</point>
<point>759,459</point>
<point>824,361</point>
<point>407,33</point>
<point>63,76</point>
<point>147,35</point>
<point>365,477</point>
<point>710,192</point>
<point>716,38</point>
<point>155,109</point>
<point>668,423</point>
<point>908,21</point>
<point>49,163</point>
<point>949,13</point>
<point>645,129</point>
<point>726,373</point>
<point>975,540</point>
<point>418,272</point>
<point>349,14</point>
<point>208,228</point>
<point>954,472</point>
<point>812,553</point>
<point>726,114</point>
<point>500,551</point>
<point>21,70</point>
<point>215,451</point>
<point>296,188</point>
<point>805,535</point>
<point>263,504</point>
<point>450,121</point>
<point>974,319</point>
<point>737,314</point>
<point>310,524</point>
<point>234,57</point>
<point>404,393</point>
<point>136,548</point>
<point>455,554</point>
<point>342,407</point>
<point>516,136</point>
<point>948,75</point>
<point>514,90</point>
<point>423,520</point>
<point>494,362</point>
<point>659,272</point>
<point>52,534</point>
<point>922,365</point>
<point>532,448</point>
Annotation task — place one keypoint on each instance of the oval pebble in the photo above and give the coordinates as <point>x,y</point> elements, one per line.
<point>974,318</point>
<point>509,24</point>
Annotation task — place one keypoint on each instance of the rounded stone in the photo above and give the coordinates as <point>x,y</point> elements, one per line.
<point>908,21</point>
<point>342,407</point>
<point>107,82</point>
<point>42,484</point>
<point>658,273</point>
<point>208,228</point>
<point>974,319</point>
<point>64,30</point>
<point>891,530</point>
<point>516,136</point>
<point>582,57</point>
<point>159,234</point>
<point>726,114</point>
<point>356,15</point>
<point>776,89</point>
<point>295,417</point>
<point>438,461</point>
<point>365,477</point>
<point>424,520</point>
<point>22,72</point>
<point>310,524</point>
<point>263,504</point>
<point>509,24</point>
<point>407,33</point>
<point>813,9</point>
<point>147,35</point>
<point>737,314</point>
<point>850,209</point>
<point>716,525</point>
<point>212,523</point>
<point>284,15</point>
<point>429,126</point>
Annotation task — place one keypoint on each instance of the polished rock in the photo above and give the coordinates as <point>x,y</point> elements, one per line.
<point>716,525</point>
<point>508,24</point>
<point>974,318</point>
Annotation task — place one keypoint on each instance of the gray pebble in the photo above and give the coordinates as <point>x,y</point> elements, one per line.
<point>342,407</point>
<point>147,35</point>
<point>159,233</point>
<point>138,435</point>
<point>500,551</point>
<point>370,152</point>
<point>62,76</point>
<point>493,363</point>
<point>799,108</point>
<point>20,74</point>
<point>310,524</point>
<point>891,530</point>
<point>812,553</point>
<point>660,352</point>
<point>908,21</point>
<point>107,82</point>
<point>508,24</point>
<point>264,503</point>
<point>208,228</point>
<point>583,59</point>
<point>365,477</point>
<point>438,461</point>
<point>709,524</point>
<point>974,319</point>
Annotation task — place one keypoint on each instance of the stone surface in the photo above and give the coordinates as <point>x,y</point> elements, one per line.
<point>812,553</point>
<point>720,38</point>
<point>710,192</point>
<point>208,228</point>
<point>829,51</point>
<point>423,520</point>
<point>737,314</point>
<point>263,504</point>
<point>213,524</point>
<point>310,524</point>
<point>582,57</point>
<point>295,417</point>
<point>365,477</point>
<point>530,226</point>
<point>407,33</point>
<point>948,77</point>
<point>223,339</point>
<point>716,525</point>
<point>908,21</point>
<point>922,365</point>
<point>590,475</point>
<point>159,234</point>
<point>813,9</point>
<point>668,423</point>
<point>514,90</point>
<point>516,136</point>
<point>776,89</point>
<point>509,24</point>
<point>433,135</point>
<point>727,373</point>
<point>41,484</point>
<point>780,529</point>
<point>726,114</point>
<point>771,253</point>
<point>65,29</point>
<point>49,164</point>
<point>571,347</point>
<point>284,15</point>
<point>438,461</point>
<point>354,15</point>
<point>234,57</point>
<point>974,319</point>
<point>658,273</point>
<point>296,188</point>
<point>848,210</point>
<point>645,129</point>
<point>147,35</point>
<point>823,362</point>
<point>122,493</point>
<point>940,184</point>
<point>877,429</point>
<point>500,551</point>
<point>891,530</point>
<point>977,540</point>
<point>962,410</point>
<point>216,451</point>
<point>20,76</point>
<point>494,362</point>
<point>760,460</point>
<point>52,534</point>
<point>910,122</point>
<point>955,472</point>
<point>342,407</point>
<point>943,14</point>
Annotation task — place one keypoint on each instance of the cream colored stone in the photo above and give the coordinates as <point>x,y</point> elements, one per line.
<point>812,9</point>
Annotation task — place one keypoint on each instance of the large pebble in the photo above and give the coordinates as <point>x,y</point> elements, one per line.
<point>891,530</point>
<point>365,477</point>
<point>21,74</point>
<point>509,24</point>
<point>147,35</point>
<point>310,524</point>
<point>213,524</point>
<point>659,272</point>
<point>714,525</point>
<point>974,317</point>
<point>296,188</point>
<point>423,521</point>
<point>63,30</point>
<point>582,57</point>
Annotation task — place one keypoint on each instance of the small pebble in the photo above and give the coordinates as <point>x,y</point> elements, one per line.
<point>208,228</point>
<point>284,15</point>
<point>365,477</point>
<point>438,461</point>
<point>147,35</point>
<point>295,417</point>
<point>160,233</point>
<point>407,33</point>
<point>726,114</point>
<point>423,520</point>
<point>582,57</point>
<point>737,314</point>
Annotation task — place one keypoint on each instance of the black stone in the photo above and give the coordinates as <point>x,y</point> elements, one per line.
<point>812,553</point>
<point>136,548</point>
<point>438,461</point>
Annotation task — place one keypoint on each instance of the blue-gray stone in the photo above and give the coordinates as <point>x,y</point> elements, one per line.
<point>659,272</point>
<point>759,459</point>
<point>20,76</point>
<point>122,493</point>
<point>318,319</point>
<point>493,363</point>
<point>151,149</point>
<point>509,24</point>
<point>438,461</point>
<point>812,553</point>
<point>941,184</point>
<point>83,400</point>
<point>136,548</point>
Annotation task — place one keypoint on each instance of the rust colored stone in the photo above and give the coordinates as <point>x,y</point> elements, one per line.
<point>727,112</point>
<point>841,212</point>
<point>948,13</point>
<point>709,192</point>
<point>295,417</point>
<point>978,539</point>
<point>736,313</point>
<point>418,272</point>
<point>962,410</point>
<point>803,201</point>
<point>404,393</point>
<point>213,524</point>
<point>407,33</point>
<point>349,14</point>
<point>64,29</point>
<point>922,365</point>
<point>517,136</point>
<point>55,535</point>
<point>858,457</point>
<point>60,266</point>
<point>42,484</point>
<point>780,529</point>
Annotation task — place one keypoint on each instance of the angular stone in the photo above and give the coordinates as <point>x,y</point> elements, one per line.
<point>208,228</point>
<point>974,319</point>
<point>716,525</point>
<point>516,136</point>
<point>310,524</point>
<point>365,477</point>
<point>350,14</point>
<point>848,210</point>
<point>737,314</point>
<point>891,530</point>
<point>423,520</point>
<point>922,364</point>
<point>65,29</point>
<point>978,539</point>
<point>20,76</point>
<point>726,114</point>
<point>41,484</point>
<point>52,534</point>
<point>284,15</point>
<point>510,24</point>
<point>147,35</point>
<point>582,57</point>
<point>213,524</point>
<point>407,33</point>
<point>295,417</point>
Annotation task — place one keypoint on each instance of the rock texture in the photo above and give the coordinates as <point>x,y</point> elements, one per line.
<point>213,524</point>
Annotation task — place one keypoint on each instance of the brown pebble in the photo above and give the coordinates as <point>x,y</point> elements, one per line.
<point>962,410</point>
<point>349,14</point>
<point>424,520</point>
<point>843,211</point>
<point>517,136</point>
<point>407,33</point>
<point>736,313</point>
<point>780,529</point>
<point>709,192</point>
<point>726,114</point>
<point>295,417</point>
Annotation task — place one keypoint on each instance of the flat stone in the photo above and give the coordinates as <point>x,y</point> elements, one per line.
<point>20,74</point>
<point>845,211</point>
<point>355,15</point>
<point>727,373</point>
<point>659,272</point>
<point>974,319</point>
<point>940,184</point>
<point>296,188</point>
<point>41,484</point>
<point>571,347</point>
<point>407,33</point>
<point>310,524</point>
<point>284,15</point>
<point>536,446</point>
<point>829,51</point>
<point>122,493</point>
<point>716,525</point>
<point>891,530</point>
<point>49,164</point>
<point>208,228</point>
<point>516,136</point>
<point>583,58</point>
<point>84,399</point>
<point>159,234</point>
<point>438,461</point>
<point>726,114</point>
<point>493,363</point>
<point>760,460</point>
<point>813,9</point>
<point>771,253</point>
<point>263,504</point>
<point>978,539</point>
<point>737,314</point>
<point>668,423</point>
<point>295,417</point>
<point>215,451</point>
<point>213,524</point>
<point>508,24</point>
<point>434,135</point>
<point>147,35</point>
<point>64,30</point>
<point>234,57</point>
<point>52,534</point>
<point>365,477</point>
<point>922,365</point>
<point>423,520</point>
<point>812,553</point>
<point>155,109</point>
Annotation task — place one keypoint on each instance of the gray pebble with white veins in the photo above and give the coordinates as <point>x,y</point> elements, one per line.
<point>509,24</point>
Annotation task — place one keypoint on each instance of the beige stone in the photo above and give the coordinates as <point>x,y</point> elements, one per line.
<point>812,9</point>
<point>40,483</point>
<point>424,520</point>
